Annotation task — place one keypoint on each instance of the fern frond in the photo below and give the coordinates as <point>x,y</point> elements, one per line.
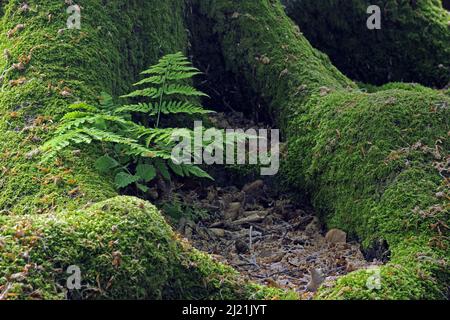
<point>174,107</point>
<point>76,115</point>
<point>161,135</point>
<point>52,147</point>
<point>135,108</point>
<point>178,89</point>
<point>106,101</point>
<point>166,107</point>
<point>78,120</point>
<point>148,92</point>
<point>175,75</point>
<point>83,106</point>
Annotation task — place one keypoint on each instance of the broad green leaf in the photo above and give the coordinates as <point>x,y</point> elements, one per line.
<point>176,168</point>
<point>197,172</point>
<point>142,187</point>
<point>124,179</point>
<point>105,163</point>
<point>146,172</point>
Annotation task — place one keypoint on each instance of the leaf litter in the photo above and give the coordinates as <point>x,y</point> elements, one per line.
<point>269,238</point>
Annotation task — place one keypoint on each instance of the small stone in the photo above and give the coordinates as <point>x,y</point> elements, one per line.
<point>241,246</point>
<point>440,194</point>
<point>6,54</point>
<point>220,233</point>
<point>18,66</point>
<point>233,211</point>
<point>336,236</point>
<point>265,59</point>
<point>235,15</point>
<point>153,194</point>
<point>313,227</point>
<point>316,280</point>
<point>18,277</point>
<point>324,91</point>
<point>254,187</point>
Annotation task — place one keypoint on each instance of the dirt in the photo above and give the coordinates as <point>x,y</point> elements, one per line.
<point>271,239</point>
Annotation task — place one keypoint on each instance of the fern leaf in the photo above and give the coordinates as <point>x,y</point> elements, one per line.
<point>178,89</point>
<point>136,108</point>
<point>83,106</point>
<point>191,170</point>
<point>148,92</point>
<point>174,107</point>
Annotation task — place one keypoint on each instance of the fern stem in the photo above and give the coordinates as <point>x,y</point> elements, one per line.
<point>162,94</point>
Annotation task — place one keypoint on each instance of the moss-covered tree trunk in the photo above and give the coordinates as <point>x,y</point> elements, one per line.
<point>56,215</point>
<point>376,165</point>
<point>357,154</point>
<point>412,44</point>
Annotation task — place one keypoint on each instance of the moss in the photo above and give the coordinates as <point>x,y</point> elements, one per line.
<point>125,250</point>
<point>412,45</point>
<point>65,213</point>
<point>368,160</point>
<point>66,66</point>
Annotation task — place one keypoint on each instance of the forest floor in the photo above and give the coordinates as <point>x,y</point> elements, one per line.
<point>271,239</point>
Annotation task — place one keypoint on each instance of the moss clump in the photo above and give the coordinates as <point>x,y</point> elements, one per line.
<point>412,44</point>
<point>370,161</point>
<point>125,250</point>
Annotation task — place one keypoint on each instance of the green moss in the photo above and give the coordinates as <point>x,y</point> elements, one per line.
<point>66,66</point>
<point>412,45</point>
<point>357,154</point>
<point>125,250</point>
<point>65,213</point>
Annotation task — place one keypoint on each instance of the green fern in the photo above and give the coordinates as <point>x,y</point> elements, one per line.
<point>139,152</point>
<point>167,79</point>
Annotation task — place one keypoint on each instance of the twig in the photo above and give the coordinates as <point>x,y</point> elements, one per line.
<point>5,291</point>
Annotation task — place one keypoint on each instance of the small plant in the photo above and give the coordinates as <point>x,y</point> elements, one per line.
<point>177,208</point>
<point>136,153</point>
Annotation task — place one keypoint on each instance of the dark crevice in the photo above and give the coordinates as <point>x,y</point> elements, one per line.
<point>228,92</point>
<point>379,250</point>
<point>446,4</point>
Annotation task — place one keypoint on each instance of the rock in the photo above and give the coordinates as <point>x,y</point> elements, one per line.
<point>250,219</point>
<point>336,236</point>
<point>220,233</point>
<point>241,246</point>
<point>182,225</point>
<point>313,227</point>
<point>316,280</point>
<point>254,188</point>
<point>233,211</point>
<point>188,229</point>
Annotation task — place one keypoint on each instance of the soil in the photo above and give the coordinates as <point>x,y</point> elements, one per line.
<point>271,239</point>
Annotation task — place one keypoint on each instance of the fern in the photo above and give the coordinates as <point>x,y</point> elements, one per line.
<point>139,152</point>
<point>167,78</point>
